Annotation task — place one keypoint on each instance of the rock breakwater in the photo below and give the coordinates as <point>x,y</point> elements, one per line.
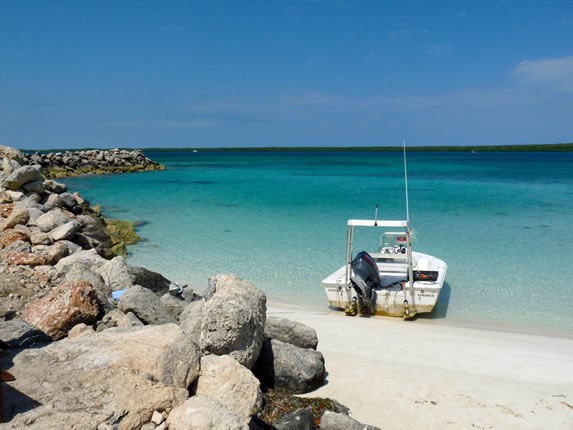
<point>92,161</point>
<point>95,343</point>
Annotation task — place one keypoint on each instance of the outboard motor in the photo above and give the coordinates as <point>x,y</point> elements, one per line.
<point>365,277</point>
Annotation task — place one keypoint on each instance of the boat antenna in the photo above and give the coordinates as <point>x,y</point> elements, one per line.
<point>376,216</point>
<point>406,182</point>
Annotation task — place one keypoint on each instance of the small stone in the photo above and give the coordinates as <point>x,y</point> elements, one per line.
<point>157,418</point>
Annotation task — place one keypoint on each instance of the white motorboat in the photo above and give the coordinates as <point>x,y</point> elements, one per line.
<point>394,280</point>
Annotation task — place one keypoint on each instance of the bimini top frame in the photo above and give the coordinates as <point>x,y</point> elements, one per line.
<point>405,224</point>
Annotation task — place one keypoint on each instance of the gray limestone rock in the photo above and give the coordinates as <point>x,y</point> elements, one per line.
<point>116,376</point>
<point>224,380</point>
<point>22,176</point>
<point>291,332</point>
<point>233,320</point>
<point>203,413</point>
<point>51,220</point>
<point>335,421</point>
<point>297,370</point>
<point>145,305</point>
<point>65,231</point>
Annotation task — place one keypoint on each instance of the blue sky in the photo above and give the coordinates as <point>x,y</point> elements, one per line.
<point>284,73</point>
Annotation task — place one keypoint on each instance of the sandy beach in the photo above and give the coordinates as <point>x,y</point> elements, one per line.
<point>398,374</point>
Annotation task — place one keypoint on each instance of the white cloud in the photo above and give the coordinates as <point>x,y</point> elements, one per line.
<point>556,73</point>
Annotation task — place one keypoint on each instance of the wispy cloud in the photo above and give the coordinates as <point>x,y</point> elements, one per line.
<point>556,73</point>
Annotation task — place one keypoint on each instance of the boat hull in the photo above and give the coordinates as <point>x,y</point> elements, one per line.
<point>391,301</point>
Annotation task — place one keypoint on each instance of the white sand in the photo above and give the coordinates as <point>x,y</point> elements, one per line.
<point>398,374</point>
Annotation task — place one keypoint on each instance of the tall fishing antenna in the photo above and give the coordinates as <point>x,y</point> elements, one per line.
<point>406,182</point>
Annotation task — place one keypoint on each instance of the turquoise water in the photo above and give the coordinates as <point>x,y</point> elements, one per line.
<point>502,221</point>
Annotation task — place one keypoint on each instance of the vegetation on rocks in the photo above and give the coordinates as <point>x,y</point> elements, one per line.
<point>122,233</point>
<point>277,403</point>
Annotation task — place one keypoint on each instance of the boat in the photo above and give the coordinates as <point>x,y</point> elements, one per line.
<point>392,280</point>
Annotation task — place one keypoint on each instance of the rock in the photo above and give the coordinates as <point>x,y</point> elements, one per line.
<point>80,330</point>
<point>115,274</point>
<point>52,219</point>
<point>17,333</point>
<point>19,216</point>
<point>54,186</point>
<point>40,238</point>
<point>89,258</point>
<point>335,421</point>
<point>145,305</point>
<point>95,228</point>
<point>118,377</point>
<point>81,272</point>
<point>34,186</point>
<point>292,332</point>
<point>53,201</point>
<point>26,259</point>
<point>16,196</point>
<point>8,237</point>
<point>282,365</point>
<point>148,279</point>
<point>21,176</point>
<point>157,418</point>
<point>64,307</point>
<point>57,252</point>
<point>65,231</point>
<point>203,413</point>
<point>233,320</point>
<point>176,304</point>
<point>190,321</point>
<point>14,154</point>
<point>69,203</point>
<point>116,318</point>
<point>301,419</point>
<point>225,381</point>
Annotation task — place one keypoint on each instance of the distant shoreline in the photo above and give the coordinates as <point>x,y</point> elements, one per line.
<point>548,147</point>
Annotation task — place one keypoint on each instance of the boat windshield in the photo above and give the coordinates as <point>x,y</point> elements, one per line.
<point>394,242</point>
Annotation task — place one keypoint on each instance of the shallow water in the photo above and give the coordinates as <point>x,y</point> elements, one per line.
<point>502,221</point>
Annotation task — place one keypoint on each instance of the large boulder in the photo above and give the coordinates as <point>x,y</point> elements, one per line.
<point>145,305</point>
<point>225,381</point>
<point>203,413</point>
<point>22,176</point>
<point>292,332</point>
<point>59,310</point>
<point>115,378</point>
<point>282,365</point>
<point>233,319</point>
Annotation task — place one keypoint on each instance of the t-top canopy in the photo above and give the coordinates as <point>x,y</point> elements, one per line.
<point>377,223</point>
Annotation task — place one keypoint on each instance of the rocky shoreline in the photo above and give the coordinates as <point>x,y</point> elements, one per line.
<point>55,165</point>
<point>89,341</point>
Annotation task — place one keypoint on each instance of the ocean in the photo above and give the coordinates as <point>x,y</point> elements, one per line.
<point>503,222</point>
